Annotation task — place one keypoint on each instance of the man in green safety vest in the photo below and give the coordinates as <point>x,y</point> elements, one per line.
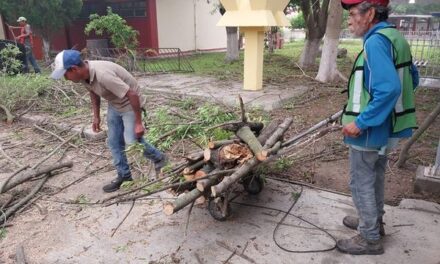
<point>380,110</point>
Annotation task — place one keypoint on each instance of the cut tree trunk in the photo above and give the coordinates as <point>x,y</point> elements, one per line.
<point>249,138</point>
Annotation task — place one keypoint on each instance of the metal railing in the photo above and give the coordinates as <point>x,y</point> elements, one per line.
<point>146,60</point>
<point>425,48</point>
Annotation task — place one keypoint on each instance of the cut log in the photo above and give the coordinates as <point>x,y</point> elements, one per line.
<point>246,168</point>
<point>192,168</point>
<point>194,157</point>
<point>189,177</point>
<point>182,201</point>
<point>234,127</point>
<point>29,174</point>
<point>267,132</point>
<point>207,168</point>
<point>205,184</point>
<point>249,138</point>
<point>217,144</point>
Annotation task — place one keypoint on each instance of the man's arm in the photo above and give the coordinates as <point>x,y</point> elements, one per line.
<point>134,99</point>
<point>96,106</point>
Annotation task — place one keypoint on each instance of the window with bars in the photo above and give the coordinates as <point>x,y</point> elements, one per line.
<point>129,8</point>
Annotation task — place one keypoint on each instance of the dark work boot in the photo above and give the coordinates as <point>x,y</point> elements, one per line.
<point>115,184</point>
<point>158,166</point>
<point>358,245</point>
<point>353,223</point>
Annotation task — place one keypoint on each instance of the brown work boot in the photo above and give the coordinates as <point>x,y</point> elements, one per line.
<point>358,245</point>
<point>353,223</point>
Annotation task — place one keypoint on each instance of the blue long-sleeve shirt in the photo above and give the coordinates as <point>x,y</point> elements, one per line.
<point>383,83</point>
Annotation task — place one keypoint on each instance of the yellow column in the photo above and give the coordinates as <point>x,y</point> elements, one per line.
<point>253,58</point>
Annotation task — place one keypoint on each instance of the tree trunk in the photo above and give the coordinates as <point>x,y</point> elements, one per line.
<point>309,53</point>
<point>428,121</point>
<point>232,50</point>
<point>328,71</point>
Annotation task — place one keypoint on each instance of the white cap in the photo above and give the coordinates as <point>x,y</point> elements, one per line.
<point>21,19</point>
<point>63,61</point>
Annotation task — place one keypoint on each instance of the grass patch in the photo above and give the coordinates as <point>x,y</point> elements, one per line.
<point>278,67</point>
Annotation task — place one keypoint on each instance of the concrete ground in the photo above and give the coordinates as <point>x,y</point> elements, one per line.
<point>189,85</point>
<point>56,231</point>
<point>63,233</point>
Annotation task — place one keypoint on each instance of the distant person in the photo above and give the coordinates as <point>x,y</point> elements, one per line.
<point>124,118</point>
<point>27,40</point>
<point>380,110</point>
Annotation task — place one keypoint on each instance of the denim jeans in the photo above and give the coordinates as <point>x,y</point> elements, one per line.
<point>367,171</point>
<point>30,59</point>
<point>121,133</point>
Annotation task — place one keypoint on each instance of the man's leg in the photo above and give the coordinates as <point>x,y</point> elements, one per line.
<point>150,152</point>
<point>379,185</point>
<point>116,144</point>
<point>32,60</point>
<point>362,185</point>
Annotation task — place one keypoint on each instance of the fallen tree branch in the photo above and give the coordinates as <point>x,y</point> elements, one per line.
<point>9,158</point>
<point>23,201</point>
<point>27,175</point>
<point>125,217</point>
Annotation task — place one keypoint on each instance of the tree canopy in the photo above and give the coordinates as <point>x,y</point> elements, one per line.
<point>45,16</point>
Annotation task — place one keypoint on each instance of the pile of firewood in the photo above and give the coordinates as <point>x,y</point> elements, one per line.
<point>212,171</point>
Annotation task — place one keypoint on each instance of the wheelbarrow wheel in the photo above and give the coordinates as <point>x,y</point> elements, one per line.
<point>253,184</point>
<point>217,210</point>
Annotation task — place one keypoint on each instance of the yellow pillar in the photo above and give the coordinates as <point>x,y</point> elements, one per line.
<point>253,16</point>
<point>253,58</point>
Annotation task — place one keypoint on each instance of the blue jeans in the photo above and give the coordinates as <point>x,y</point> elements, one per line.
<point>121,133</point>
<point>367,171</point>
<point>30,59</point>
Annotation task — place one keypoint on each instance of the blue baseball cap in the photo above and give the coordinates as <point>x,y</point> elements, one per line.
<point>63,61</point>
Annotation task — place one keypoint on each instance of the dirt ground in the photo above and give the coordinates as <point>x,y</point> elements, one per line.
<point>322,163</point>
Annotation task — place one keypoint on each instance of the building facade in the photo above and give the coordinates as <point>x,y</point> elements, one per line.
<point>186,24</point>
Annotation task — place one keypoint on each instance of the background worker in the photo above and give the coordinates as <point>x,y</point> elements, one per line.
<point>124,119</point>
<point>27,40</point>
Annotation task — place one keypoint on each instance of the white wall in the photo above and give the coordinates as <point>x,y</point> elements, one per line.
<point>189,25</point>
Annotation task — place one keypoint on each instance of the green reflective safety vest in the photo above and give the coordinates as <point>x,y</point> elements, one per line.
<point>403,116</point>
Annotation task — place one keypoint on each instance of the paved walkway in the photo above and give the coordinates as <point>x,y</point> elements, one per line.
<point>82,234</point>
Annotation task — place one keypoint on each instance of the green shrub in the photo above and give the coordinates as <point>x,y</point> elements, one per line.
<point>9,62</point>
